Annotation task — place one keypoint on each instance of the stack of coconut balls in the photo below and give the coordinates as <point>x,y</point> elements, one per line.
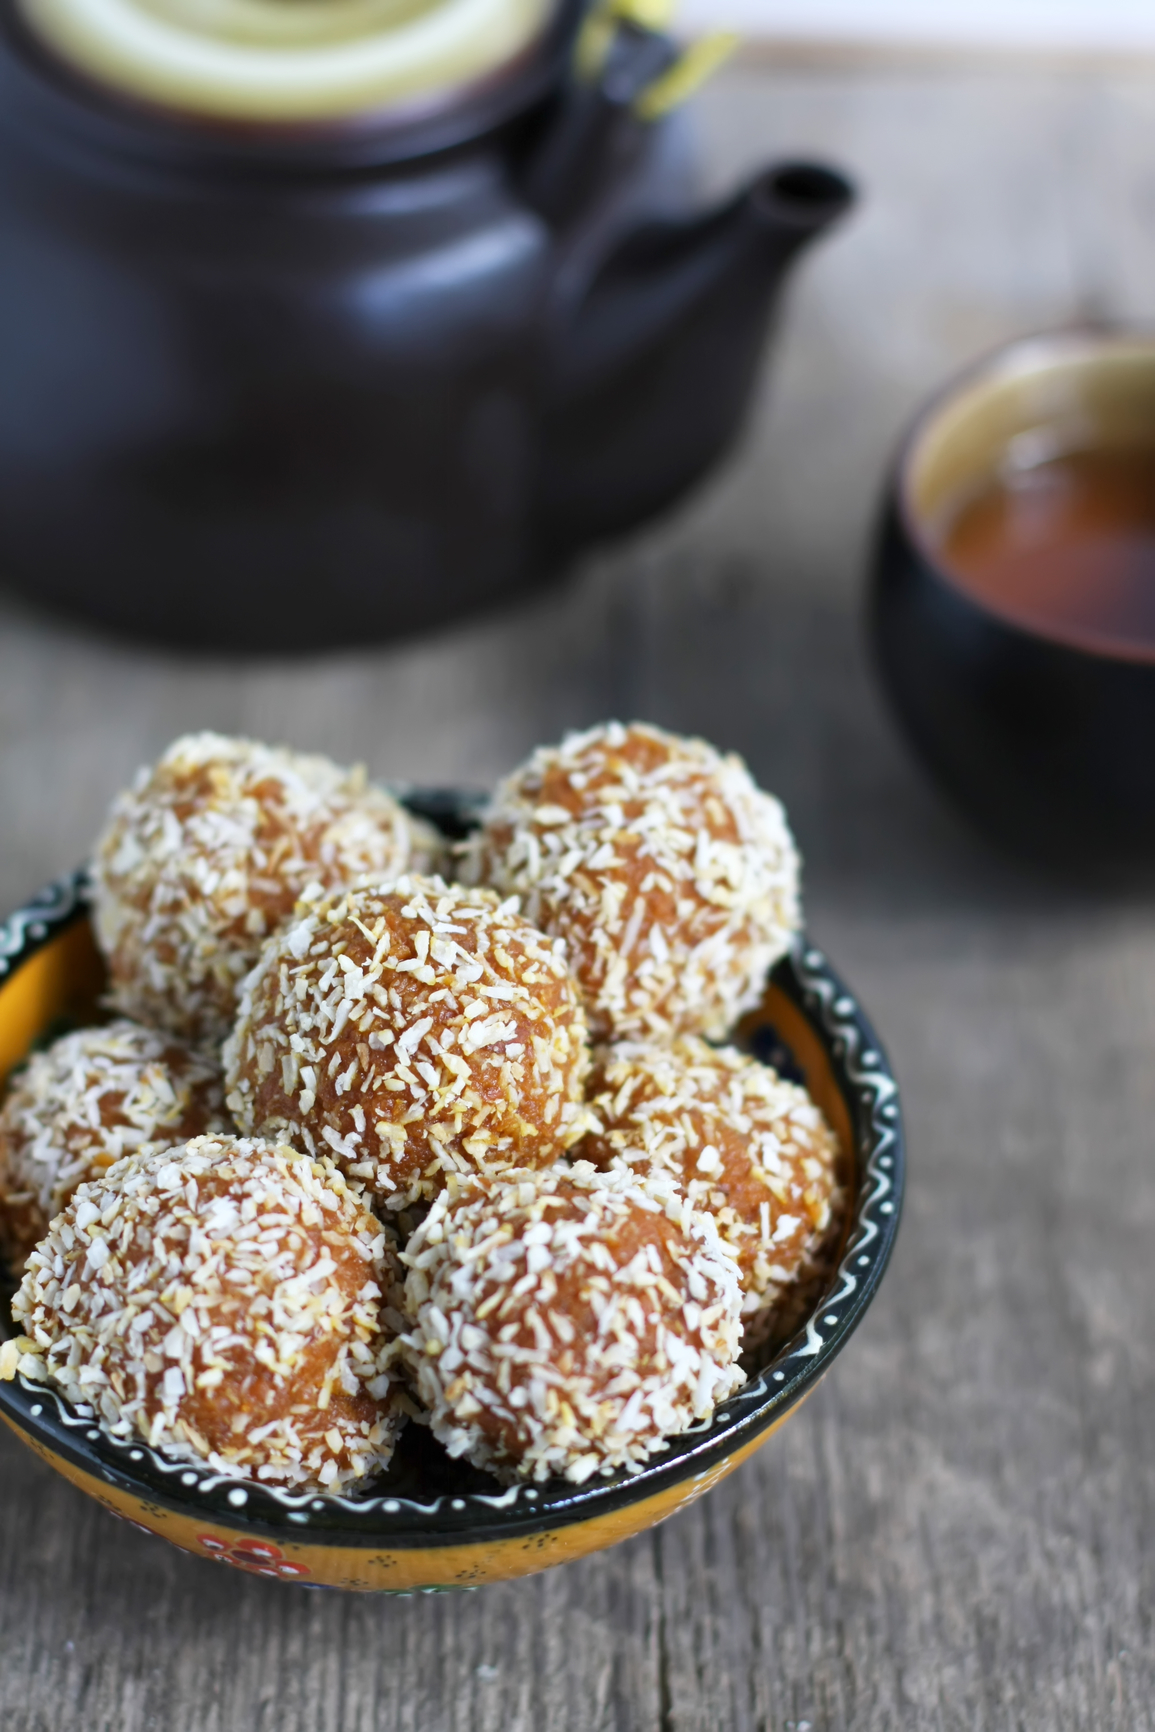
<point>345,1153</point>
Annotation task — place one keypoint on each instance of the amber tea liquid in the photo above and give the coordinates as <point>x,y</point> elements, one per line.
<point>1066,546</point>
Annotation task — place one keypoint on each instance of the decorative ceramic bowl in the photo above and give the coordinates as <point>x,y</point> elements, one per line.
<point>431,1523</point>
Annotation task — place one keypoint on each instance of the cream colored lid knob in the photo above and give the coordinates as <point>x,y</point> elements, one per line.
<point>286,60</point>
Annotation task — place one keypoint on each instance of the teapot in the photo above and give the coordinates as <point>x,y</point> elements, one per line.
<point>278,384</point>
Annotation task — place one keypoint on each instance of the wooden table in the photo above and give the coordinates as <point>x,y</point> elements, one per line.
<point>957,1532</point>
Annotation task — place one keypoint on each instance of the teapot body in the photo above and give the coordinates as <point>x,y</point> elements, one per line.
<point>280,402</point>
<point>266,409</point>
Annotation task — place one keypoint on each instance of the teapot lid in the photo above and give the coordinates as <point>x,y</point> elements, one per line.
<point>289,61</point>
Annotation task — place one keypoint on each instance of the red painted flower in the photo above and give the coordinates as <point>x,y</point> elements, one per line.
<point>259,1557</point>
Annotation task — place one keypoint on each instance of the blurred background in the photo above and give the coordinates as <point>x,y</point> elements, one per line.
<point>1112,25</point>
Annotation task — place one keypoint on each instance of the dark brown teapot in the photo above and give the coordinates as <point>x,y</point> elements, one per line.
<point>284,387</point>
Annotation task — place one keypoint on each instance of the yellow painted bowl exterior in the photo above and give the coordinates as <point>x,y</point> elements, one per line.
<point>52,971</point>
<point>402,1569</point>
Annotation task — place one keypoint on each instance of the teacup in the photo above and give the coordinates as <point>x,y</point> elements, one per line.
<point>1013,594</point>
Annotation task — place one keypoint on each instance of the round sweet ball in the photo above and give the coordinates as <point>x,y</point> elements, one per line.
<point>749,1147</point>
<point>568,1323</point>
<point>208,853</point>
<point>672,878</point>
<point>226,1301</point>
<point>85,1102</point>
<point>412,1030</point>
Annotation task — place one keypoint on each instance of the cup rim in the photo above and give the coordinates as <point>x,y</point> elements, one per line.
<point>1007,361</point>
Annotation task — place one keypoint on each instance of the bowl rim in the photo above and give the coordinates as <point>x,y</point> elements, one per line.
<point>864,1078</point>
<point>1017,358</point>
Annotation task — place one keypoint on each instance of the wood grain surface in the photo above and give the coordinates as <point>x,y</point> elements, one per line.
<point>957,1531</point>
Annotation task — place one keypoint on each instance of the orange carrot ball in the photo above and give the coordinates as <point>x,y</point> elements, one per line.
<point>567,1323</point>
<point>749,1147</point>
<point>224,1301</point>
<point>89,1099</point>
<point>208,853</point>
<point>672,878</point>
<point>412,1030</point>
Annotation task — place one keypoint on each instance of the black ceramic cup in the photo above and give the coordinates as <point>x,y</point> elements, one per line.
<point>1043,734</point>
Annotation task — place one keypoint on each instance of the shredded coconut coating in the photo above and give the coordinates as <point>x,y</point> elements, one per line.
<point>750,1148</point>
<point>208,853</point>
<point>672,878</point>
<point>567,1323</point>
<point>89,1099</point>
<point>224,1302</point>
<point>412,1030</point>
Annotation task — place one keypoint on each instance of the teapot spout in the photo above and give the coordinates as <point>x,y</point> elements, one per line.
<point>654,359</point>
<point>795,201</point>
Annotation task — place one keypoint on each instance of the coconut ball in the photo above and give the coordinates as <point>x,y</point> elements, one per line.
<point>672,878</point>
<point>208,853</point>
<point>86,1101</point>
<point>569,1322</point>
<point>412,1030</point>
<point>224,1301</point>
<point>750,1148</point>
